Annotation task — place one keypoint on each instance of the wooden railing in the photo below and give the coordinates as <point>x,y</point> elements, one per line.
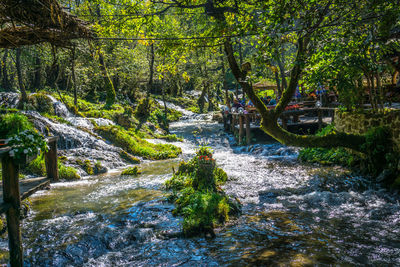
<point>12,195</point>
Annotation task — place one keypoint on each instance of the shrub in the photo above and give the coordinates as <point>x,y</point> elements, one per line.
<point>328,156</point>
<point>13,123</point>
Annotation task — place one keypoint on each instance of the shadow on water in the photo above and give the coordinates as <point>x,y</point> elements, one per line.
<point>293,214</point>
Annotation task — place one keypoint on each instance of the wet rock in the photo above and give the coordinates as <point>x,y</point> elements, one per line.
<point>217,116</point>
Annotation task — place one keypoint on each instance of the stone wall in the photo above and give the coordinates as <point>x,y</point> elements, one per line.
<point>357,123</point>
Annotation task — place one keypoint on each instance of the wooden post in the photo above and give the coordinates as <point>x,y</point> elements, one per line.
<point>11,195</point>
<point>224,120</point>
<point>333,115</point>
<point>284,122</point>
<point>240,128</point>
<point>319,118</point>
<point>51,159</point>
<point>233,123</point>
<point>248,136</point>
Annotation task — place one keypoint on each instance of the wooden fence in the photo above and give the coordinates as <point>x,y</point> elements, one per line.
<point>15,190</point>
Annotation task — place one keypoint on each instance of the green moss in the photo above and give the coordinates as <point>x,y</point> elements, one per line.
<point>128,157</point>
<point>197,196</point>
<point>130,142</point>
<point>169,137</point>
<point>56,118</point>
<point>41,102</point>
<point>92,110</point>
<point>67,173</point>
<point>379,152</point>
<point>134,171</point>
<point>38,167</point>
<point>86,165</point>
<point>13,123</point>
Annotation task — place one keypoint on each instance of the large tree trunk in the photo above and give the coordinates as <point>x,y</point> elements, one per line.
<point>24,96</point>
<point>269,123</point>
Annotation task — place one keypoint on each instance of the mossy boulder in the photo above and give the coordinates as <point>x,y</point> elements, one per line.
<point>132,171</point>
<point>198,196</point>
<point>41,102</point>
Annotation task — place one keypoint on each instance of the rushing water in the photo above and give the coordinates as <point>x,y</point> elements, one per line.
<point>293,214</point>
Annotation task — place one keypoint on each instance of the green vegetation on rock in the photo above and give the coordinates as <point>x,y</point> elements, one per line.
<point>129,141</point>
<point>197,194</point>
<point>38,167</point>
<point>41,102</point>
<point>133,171</point>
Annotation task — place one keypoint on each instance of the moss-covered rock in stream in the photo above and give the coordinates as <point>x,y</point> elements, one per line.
<point>129,141</point>
<point>41,102</point>
<point>198,196</point>
<point>132,171</point>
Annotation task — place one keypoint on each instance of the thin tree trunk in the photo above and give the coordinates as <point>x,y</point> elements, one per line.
<point>5,80</point>
<point>73,76</point>
<point>151,70</point>
<point>24,96</point>
<point>282,71</point>
<point>109,86</point>
<point>380,90</point>
<point>224,81</point>
<point>37,79</point>
<point>278,84</point>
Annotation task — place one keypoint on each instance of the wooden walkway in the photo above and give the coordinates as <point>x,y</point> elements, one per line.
<point>242,125</point>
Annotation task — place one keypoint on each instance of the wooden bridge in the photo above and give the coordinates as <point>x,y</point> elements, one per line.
<point>14,190</point>
<point>242,125</point>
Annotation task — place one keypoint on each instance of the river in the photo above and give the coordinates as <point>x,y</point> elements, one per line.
<point>293,214</point>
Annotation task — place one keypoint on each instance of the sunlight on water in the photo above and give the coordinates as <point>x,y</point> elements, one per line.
<point>293,214</point>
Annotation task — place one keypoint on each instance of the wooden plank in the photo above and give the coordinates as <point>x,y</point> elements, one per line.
<point>27,188</point>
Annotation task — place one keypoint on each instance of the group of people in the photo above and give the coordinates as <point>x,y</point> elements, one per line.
<point>242,104</point>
